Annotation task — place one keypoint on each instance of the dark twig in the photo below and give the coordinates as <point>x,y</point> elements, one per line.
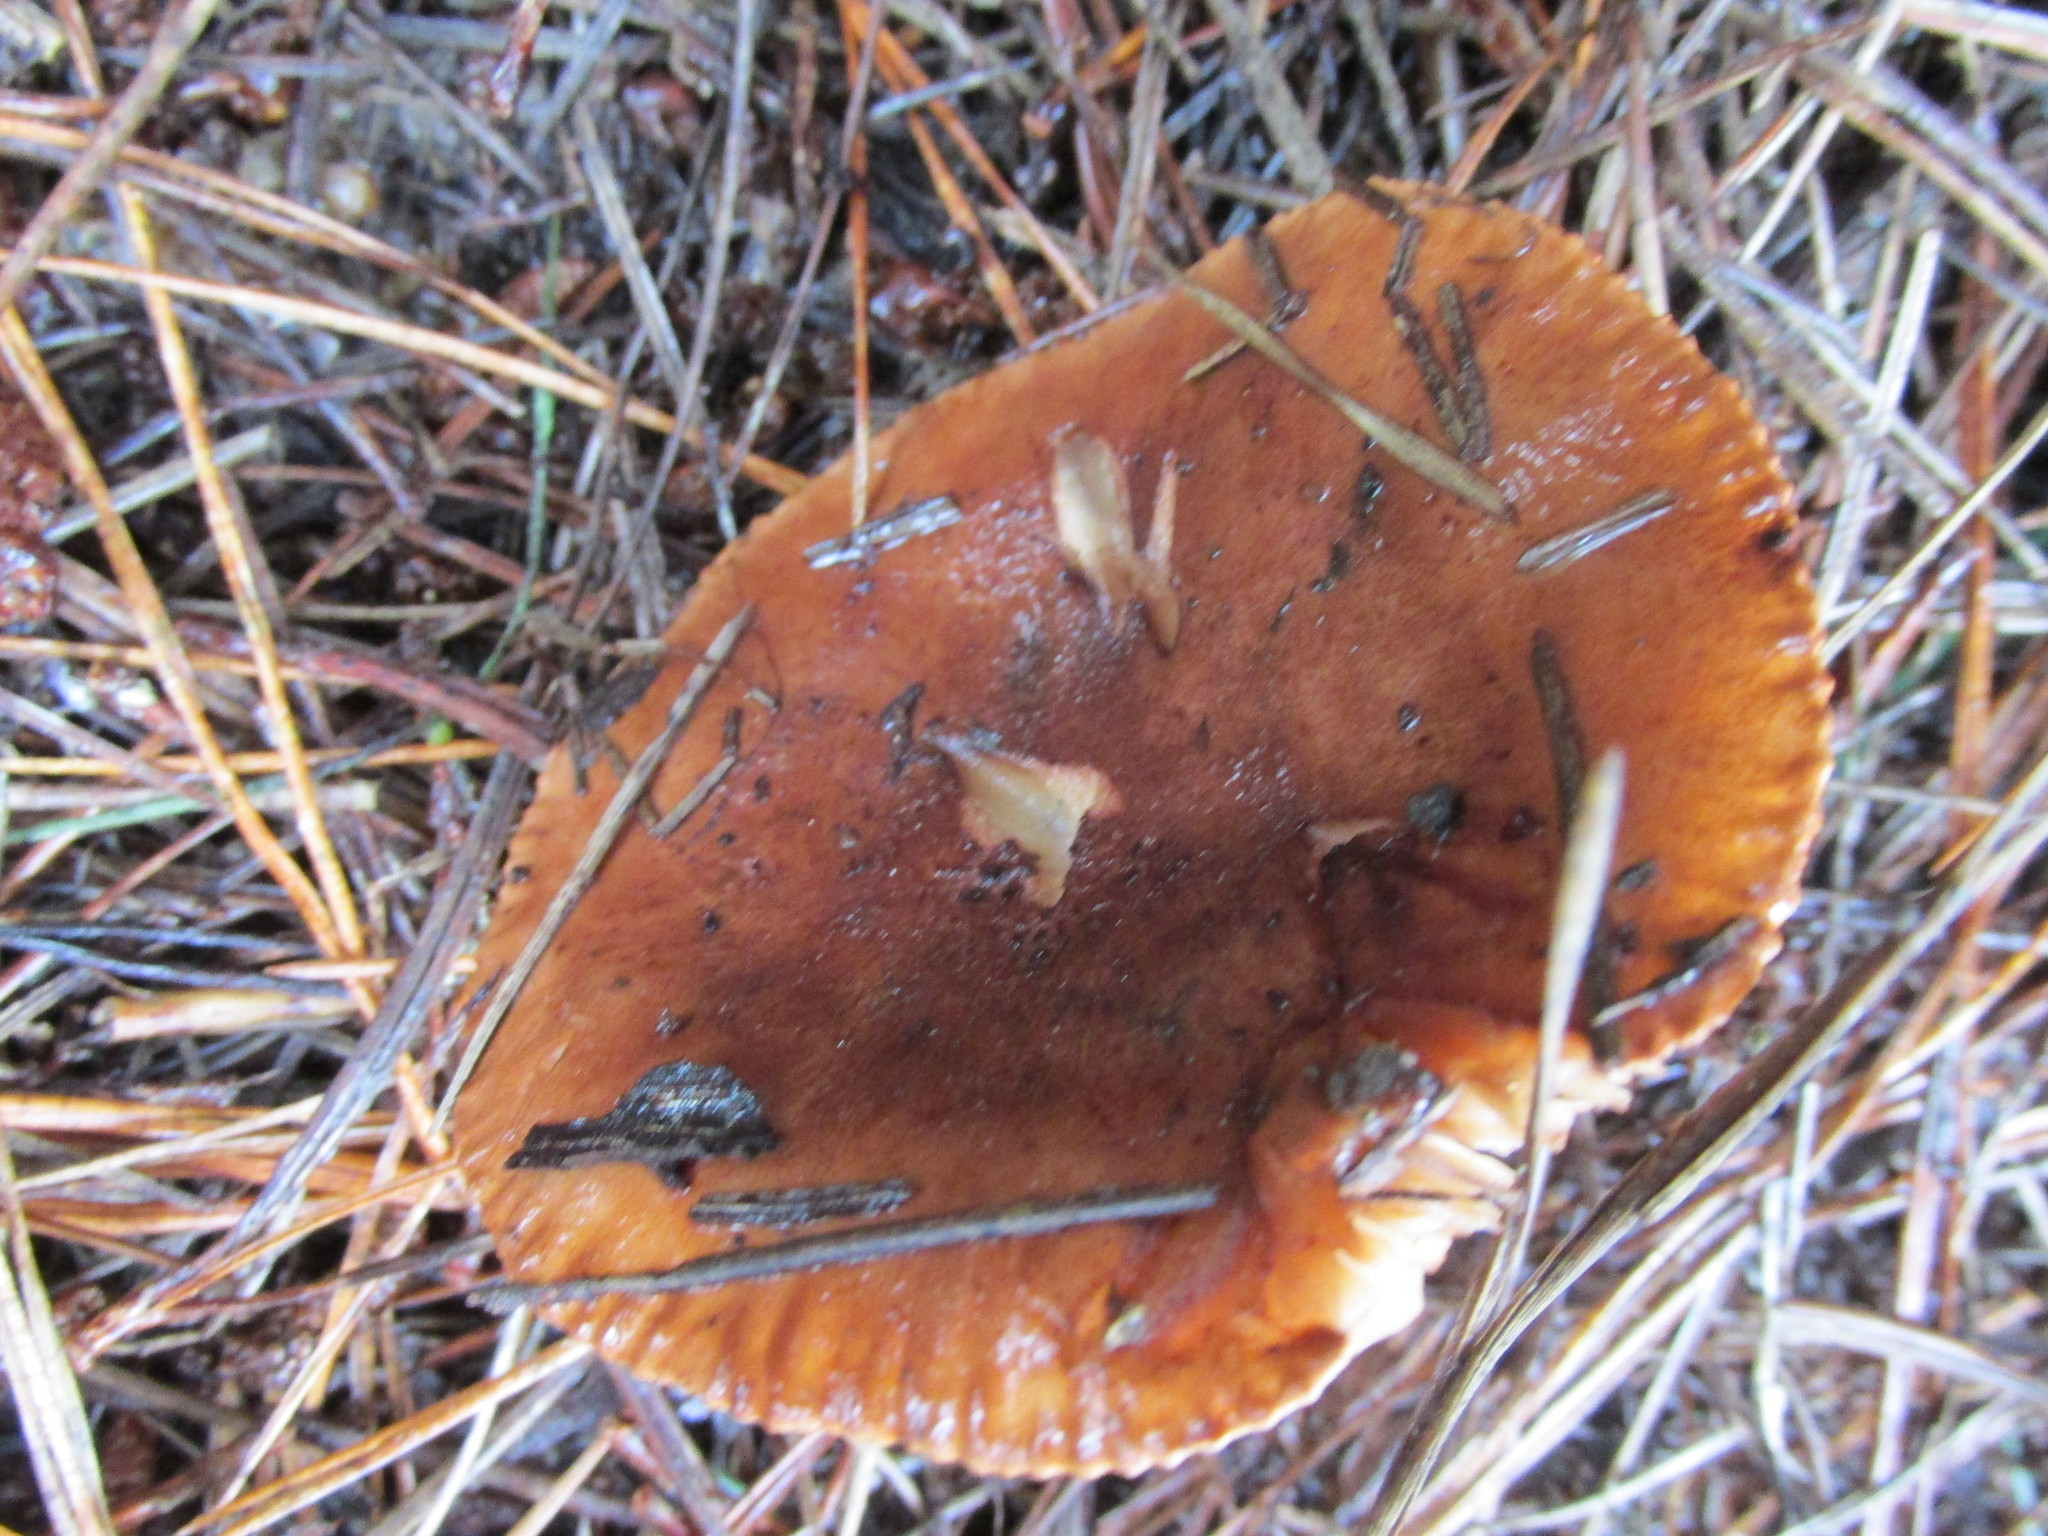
<point>863,1245</point>
<point>12,937</point>
<point>1436,380</point>
<point>1560,723</point>
<point>1467,377</point>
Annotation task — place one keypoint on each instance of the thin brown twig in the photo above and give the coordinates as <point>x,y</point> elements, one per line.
<point>994,275</point>
<point>1480,145</point>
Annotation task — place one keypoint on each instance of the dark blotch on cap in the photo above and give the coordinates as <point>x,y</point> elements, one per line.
<point>1437,812</point>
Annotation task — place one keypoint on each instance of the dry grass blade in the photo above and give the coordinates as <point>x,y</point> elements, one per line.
<point>344,1316</point>
<point>1581,902</point>
<point>1142,150</point>
<point>47,1404</point>
<point>203,187</point>
<point>1648,245</point>
<point>174,667</point>
<point>1977,1433</point>
<point>1594,812</point>
<point>416,988</point>
<point>234,539</point>
<point>512,1341</point>
<point>1680,1464</point>
<point>564,1487</point>
<point>1566,548</point>
<point>177,1146</point>
<point>1882,103</point>
<point>1816,144</point>
<point>1669,109</point>
<point>625,242</point>
<point>1973,21</point>
<point>773,1485</point>
<point>410,1516</point>
<point>413,338</point>
<point>266,1506</point>
<point>1570,1407</point>
<point>1807,1322</point>
<point>101,754</point>
<point>146,1307</point>
<point>1907,331</point>
<point>859,1482</point>
<point>168,478</point>
<point>249,763</point>
<point>1938,538</point>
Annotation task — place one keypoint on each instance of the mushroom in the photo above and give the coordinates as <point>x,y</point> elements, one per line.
<point>1042,857</point>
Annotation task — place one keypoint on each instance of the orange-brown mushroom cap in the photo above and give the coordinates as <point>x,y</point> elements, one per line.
<point>1306,751</point>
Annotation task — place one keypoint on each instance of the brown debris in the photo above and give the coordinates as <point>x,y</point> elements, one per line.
<point>31,478</point>
<point>800,1207</point>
